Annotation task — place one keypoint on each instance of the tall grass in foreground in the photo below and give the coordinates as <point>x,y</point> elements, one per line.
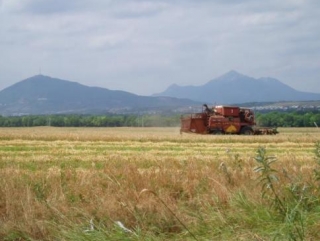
<point>294,202</point>
<point>199,196</point>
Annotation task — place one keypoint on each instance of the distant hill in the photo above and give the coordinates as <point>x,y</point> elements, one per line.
<point>234,87</point>
<point>45,95</point>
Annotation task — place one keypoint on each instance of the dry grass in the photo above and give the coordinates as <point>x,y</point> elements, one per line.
<point>54,179</point>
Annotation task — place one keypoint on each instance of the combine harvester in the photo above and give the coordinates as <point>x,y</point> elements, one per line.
<point>223,120</point>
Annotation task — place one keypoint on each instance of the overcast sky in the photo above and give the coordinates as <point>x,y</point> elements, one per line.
<point>144,46</point>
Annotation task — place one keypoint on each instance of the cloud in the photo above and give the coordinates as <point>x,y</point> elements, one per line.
<point>128,44</point>
<point>122,8</point>
<point>42,7</point>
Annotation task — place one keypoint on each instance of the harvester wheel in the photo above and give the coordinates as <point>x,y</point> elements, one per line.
<point>217,132</point>
<point>246,130</point>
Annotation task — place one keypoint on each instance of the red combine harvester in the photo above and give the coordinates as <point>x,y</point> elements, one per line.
<point>223,120</point>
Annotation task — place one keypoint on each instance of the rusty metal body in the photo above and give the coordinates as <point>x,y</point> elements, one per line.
<point>223,120</point>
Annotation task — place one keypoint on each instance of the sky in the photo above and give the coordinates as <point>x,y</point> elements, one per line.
<point>144,46</point>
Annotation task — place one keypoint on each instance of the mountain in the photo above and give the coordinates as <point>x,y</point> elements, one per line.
<point>234,87</point>
<point>45,95</point>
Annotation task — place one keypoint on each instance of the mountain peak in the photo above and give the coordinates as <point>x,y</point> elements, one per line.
<point>39,76</point>
<point>42,94</point>
<point>230,77</point>
<point>233,75</point>
<point>232,72</point>
<point>233,87</point>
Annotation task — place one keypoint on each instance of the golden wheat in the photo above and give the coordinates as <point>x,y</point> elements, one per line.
<point>64,176</point>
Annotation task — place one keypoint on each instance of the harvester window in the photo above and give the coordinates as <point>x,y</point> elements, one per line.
<point>241,115</point>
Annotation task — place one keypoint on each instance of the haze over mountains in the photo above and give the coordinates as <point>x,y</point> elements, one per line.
<point>234,87</point>
<point>45,95</point>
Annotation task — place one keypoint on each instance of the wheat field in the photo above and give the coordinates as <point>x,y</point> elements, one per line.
<point>154,184</point>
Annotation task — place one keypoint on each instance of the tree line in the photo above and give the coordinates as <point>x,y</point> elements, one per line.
<point>289,119</point>
<point>271,119</point>
<point>90,120</point>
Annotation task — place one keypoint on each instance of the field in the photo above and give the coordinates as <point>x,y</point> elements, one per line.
<point>156,184</point>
